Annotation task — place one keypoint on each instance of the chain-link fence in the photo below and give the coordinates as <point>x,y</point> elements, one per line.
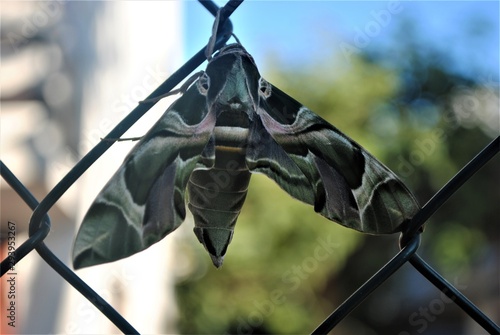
<point>39,226</point>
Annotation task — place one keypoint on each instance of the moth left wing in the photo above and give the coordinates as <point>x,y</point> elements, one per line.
<point>144,200</point>
<point>338,177</point>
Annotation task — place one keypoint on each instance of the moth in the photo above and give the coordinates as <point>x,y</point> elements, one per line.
<point>228,124</point>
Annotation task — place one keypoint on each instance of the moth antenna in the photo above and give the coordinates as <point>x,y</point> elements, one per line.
<point>121,139</point>
<point>236,38</point>
<point>181,89</point>
<point>211,42</point>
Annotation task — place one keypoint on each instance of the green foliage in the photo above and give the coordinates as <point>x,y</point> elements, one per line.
<point>457,246</point>
<point>345,97</point>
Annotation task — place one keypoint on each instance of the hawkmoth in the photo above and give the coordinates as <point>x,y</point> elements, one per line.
<point>228,124</point>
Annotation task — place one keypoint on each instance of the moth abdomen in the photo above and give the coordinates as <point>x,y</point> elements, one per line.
<point>218,190</point>
<point>216,197</point>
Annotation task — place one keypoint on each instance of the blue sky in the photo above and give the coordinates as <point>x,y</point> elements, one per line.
<point>300,32</point>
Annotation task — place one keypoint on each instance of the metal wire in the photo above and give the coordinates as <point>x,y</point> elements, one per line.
<point>40,222</point>
<point>407,254</point>
<point>437,280</point>
<point>368,287</point>
<point>37,237</point>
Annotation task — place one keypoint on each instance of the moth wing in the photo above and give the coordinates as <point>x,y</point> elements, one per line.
<point>346,184</point>
<point>265,155</point>
<point>144,200</point>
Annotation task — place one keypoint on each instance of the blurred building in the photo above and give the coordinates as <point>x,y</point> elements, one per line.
<point>70,71</point>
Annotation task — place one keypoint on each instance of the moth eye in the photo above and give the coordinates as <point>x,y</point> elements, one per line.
<point>264,88</point>
<point>203,84</point>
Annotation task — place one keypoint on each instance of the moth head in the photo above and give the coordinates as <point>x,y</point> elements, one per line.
<point>233,83</point>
